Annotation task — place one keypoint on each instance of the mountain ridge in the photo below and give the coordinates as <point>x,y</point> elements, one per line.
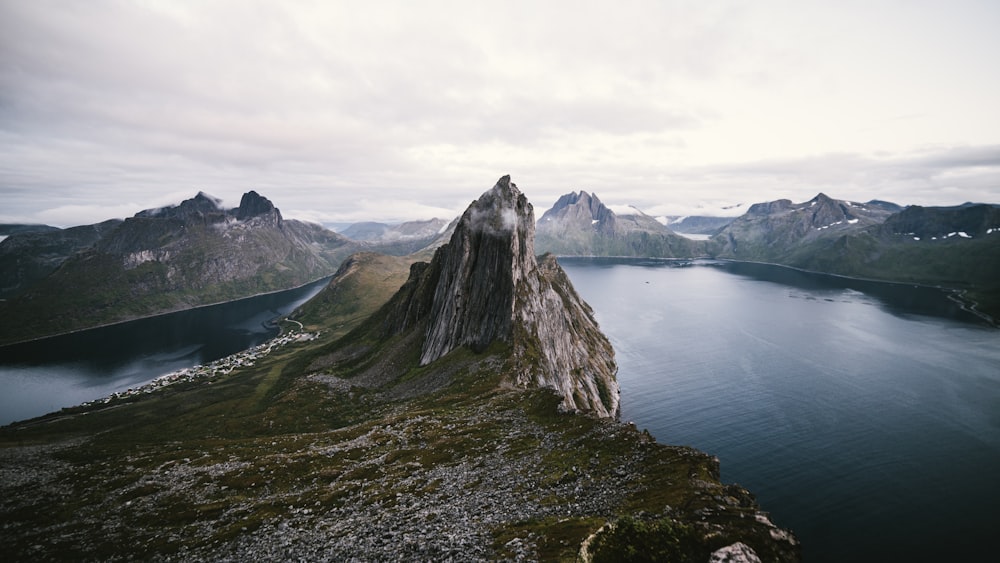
<point>166,259</point>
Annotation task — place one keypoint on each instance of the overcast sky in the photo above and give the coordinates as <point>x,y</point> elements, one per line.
<point>349,111</point>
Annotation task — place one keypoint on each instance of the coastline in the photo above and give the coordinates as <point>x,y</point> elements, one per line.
<point>218,368</point>
<point>959,296</point>
<point>954,294</point>
<point>162,313</point>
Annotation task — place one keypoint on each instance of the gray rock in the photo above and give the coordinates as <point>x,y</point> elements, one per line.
<point>738,552</point>
<point>486,285</point>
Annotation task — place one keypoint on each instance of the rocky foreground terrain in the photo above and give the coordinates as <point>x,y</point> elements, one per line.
<point>365,447</point>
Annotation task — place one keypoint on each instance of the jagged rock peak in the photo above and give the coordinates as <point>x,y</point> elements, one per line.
<point>490,252</point>
<point>581,204</point>
<point>486,285</point>
<point>253,204</point>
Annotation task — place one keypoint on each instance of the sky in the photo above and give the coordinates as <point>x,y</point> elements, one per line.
<point>342,111</point>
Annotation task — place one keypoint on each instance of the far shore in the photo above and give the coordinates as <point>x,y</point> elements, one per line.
<point>162,313</point>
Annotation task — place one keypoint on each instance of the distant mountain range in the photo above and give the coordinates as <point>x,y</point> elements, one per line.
<point>952,247</point>
<point>697,224</point>
<point>776,231</point>
<point>197,253</point>
<point>403,238</point>
<point>580,225</point>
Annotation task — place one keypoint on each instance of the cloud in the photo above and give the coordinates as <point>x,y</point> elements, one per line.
<point>395,109</point>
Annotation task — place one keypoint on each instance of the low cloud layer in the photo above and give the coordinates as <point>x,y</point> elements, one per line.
<point>391,111</point>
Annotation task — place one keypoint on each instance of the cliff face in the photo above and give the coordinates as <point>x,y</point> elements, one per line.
<point>486,285</point>
<point>580,225</point>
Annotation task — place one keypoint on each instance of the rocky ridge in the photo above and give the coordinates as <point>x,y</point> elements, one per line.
<point>167,259</point>
<point>772,230</point>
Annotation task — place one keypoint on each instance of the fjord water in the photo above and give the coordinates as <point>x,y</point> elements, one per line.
<point>46,375</point>
<point>864,416</point>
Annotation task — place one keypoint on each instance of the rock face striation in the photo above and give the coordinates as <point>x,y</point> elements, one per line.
<point>486,285</point>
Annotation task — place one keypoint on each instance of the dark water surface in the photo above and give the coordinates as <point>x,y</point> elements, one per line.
<point>46,375</point>
<point>864,416</point>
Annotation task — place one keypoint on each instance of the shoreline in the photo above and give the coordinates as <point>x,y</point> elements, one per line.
<point>203,373</point>
<point>954,294</point>
<point>162,313</point>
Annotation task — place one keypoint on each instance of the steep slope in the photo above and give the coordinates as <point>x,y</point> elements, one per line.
<point>173,258</point>
<point>580,225</point>
<point>486,286</point>
<point>363,283</point>
<point>28,255</point>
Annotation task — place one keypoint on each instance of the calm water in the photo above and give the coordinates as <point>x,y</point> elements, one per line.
<point>864,416</point>
<point>46,375</point>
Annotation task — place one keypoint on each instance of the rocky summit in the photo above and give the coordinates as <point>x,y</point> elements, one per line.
<point>487,285</point>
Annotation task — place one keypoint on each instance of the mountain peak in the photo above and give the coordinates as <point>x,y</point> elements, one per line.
<point>582,209</point>
<point>491,252</point>
<point>486,285</point>
<point>253,204</point>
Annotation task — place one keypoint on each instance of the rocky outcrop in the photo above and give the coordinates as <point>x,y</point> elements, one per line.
<point>487,285</point>
<point>580,225</point>
<point>202,207</point>
<point>253,204</point>
<point>738,552</point>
